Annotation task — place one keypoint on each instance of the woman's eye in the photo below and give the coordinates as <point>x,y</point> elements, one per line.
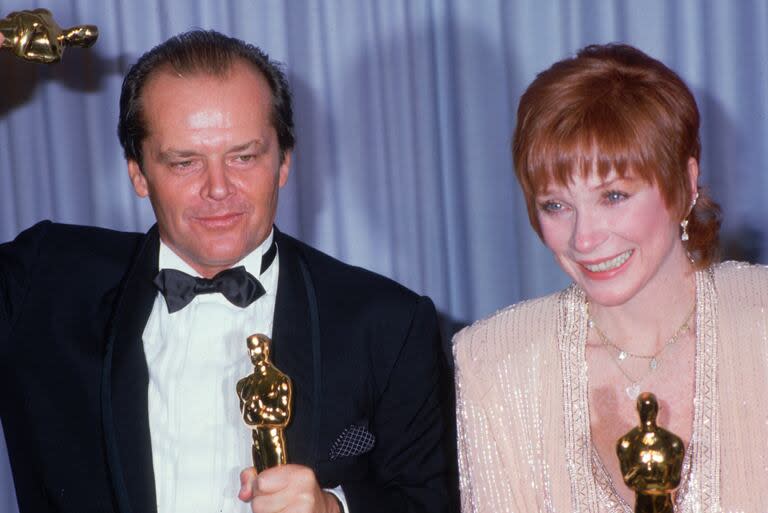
<point>615,196</point>
<point>551,206</point>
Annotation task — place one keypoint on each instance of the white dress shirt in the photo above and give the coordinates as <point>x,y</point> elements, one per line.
<point>195,358</point>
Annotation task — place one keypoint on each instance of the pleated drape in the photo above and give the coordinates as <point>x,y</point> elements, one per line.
<point>404,109</point>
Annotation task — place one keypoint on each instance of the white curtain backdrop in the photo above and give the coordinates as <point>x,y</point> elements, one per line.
<point>404,111</point>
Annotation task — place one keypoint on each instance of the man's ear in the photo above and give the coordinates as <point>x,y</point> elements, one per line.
<point>285,169</point>
<point>138,179</point>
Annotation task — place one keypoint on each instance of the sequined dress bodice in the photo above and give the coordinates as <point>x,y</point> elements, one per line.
<point>522,407</point>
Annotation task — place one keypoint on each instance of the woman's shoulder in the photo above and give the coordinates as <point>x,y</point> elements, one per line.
<point>733,268</point>
<point>740,277</point>
<point>512,332</point>
<point>741,282</point>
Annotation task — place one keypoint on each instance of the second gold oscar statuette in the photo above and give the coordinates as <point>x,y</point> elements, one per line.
<point>651,460</point>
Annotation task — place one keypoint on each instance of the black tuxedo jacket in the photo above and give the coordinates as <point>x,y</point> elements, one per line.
<point>362,351</point>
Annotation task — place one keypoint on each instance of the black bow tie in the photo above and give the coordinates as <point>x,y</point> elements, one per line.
<point>239,286</point>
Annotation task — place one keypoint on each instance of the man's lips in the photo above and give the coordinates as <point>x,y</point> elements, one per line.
<point>218,220</point>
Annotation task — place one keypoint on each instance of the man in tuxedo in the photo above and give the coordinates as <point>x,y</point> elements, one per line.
<point>120,353</point>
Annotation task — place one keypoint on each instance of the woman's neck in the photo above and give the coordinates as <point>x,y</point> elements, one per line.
<point>645,323</point>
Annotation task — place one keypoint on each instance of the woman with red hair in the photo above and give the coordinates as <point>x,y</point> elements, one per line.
<point>606,150</point>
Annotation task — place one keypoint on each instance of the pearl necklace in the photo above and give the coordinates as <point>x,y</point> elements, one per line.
<point>633,389</point>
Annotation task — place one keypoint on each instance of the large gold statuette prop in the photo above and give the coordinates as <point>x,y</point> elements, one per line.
<point>35,36</point>
<point>651,460</point>
<point>265,403</point>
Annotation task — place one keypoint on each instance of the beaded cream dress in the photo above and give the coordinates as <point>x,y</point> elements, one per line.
<point>523,418</point>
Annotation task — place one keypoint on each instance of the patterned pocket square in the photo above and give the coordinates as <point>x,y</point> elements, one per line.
<point>354,440</point>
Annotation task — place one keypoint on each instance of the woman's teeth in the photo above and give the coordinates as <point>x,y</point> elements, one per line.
<point>608,265</point>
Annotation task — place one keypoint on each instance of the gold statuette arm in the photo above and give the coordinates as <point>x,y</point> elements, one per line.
<point>35,36</point>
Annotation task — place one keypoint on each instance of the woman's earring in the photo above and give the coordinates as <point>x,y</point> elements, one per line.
<point>684,223</point>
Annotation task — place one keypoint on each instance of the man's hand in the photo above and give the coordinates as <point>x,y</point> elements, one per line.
<point>288,489</point>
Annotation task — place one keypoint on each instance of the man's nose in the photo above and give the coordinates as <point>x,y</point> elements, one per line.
<point>218,185</point>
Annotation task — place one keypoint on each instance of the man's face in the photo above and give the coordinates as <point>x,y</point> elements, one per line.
<point>212,165</point>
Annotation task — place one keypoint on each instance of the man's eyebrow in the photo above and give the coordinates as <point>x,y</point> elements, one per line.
<point>178,153</point>
<point>253,143</point>
<point>171,153</point>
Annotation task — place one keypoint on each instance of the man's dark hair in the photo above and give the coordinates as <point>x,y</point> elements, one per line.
<point>207,52</point>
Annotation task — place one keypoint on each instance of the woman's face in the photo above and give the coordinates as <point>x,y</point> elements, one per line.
<point>614,237</point>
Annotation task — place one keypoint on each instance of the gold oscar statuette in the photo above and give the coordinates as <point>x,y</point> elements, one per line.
<point>265,403</point>
<point>651,460</point>
<point>35,36</point>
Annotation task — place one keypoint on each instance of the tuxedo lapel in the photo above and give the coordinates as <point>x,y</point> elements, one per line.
<point>294,351</point>
<point>124,386</point>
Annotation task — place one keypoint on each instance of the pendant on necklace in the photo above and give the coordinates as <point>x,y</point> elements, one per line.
<point>653,363</point>
<point>633,390</point>
<point>623,355</point>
